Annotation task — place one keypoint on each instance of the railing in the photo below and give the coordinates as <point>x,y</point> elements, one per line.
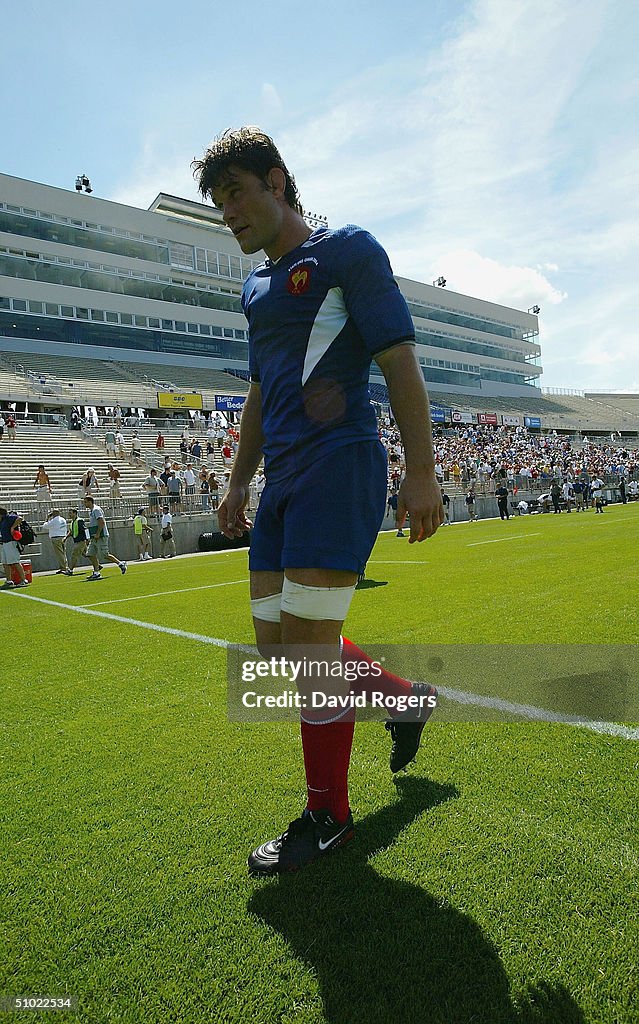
<point>115,509</point>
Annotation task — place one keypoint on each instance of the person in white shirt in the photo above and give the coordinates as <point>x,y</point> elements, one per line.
<point>167,542</point>
<point>57,528</point>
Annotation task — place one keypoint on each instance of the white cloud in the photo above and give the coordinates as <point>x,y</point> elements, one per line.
<point>504,160</point>
<point>271,102</point>
<point>472,274</point>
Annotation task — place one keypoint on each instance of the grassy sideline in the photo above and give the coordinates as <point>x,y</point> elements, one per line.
<point>492,883</point>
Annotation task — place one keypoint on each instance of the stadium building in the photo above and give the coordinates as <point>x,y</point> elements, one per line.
<point>81,276</point>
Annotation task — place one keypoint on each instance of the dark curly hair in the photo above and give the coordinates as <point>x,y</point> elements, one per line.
<point>249,149</point>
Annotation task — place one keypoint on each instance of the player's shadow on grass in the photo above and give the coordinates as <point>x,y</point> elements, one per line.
<point>387,952</point>
<point>369,584</point>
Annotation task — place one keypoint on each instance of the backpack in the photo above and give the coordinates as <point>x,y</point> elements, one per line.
<point>28,536</point>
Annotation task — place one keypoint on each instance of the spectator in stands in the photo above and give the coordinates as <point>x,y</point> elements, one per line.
<point>159,442</point>
<point>117,415</point>
<point>220,434</point>
<point>79,535</point>
<point>143,533</point>
<point>152,487</point>
<point>555,494</point>
<point>42,485</point>
<point>9,527</point>
<point>3,423</point>
<point>167,542</point>
<point>136,449</point>
<point>11,426</point>
<point>89,484</point>
<point>214,489</point>
<point>98,550</point>
<point>174,491</point>
<point>109,441</point>
<point>114,481</point>
<point>205,490</point>
<point>196,450</point>
<point>184,450</point>
<point>56,525</point>
<point>567,494</point>
<point>189,483</point>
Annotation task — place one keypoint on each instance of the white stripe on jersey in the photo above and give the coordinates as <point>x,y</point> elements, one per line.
<point>330,319</point>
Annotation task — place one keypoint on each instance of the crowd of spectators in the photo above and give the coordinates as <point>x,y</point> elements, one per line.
<point>482,457</point>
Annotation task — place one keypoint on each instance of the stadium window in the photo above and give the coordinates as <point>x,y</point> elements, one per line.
<point>66,310</point>
<point>205,329</point>
<point>167,325</point>
<point>240,335</point>
<point>4,303</point>
<point>154,321</point>
<point>112,318</point>
<point>228,333</point>
<point>126,319</point>
<point>20,305</point>
<point>97,314</point>
<point>193,328</point>
<point>35,307</point>
<point>140,321</point>
<point>81,313</point>
<point>180,325</point>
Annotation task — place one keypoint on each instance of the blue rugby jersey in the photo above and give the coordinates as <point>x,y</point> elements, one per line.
<point>317,317</point>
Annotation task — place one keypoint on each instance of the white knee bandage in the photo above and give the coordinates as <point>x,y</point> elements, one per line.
<point>316,602</point>
<point>267,608</point>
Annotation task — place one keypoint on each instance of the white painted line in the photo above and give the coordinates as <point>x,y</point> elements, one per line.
<point>537,714</point>
<point>128,622</point>
<point>498,540</point>
<point>163,593</point>
<point>459,696</point>
<point>396,561</point>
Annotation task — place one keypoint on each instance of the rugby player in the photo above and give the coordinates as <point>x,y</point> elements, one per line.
<point>321,307</point>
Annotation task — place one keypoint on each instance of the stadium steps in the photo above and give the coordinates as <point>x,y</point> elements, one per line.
<point>66,455</point>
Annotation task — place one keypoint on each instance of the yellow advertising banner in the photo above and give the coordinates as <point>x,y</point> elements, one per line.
<point>179,400</point>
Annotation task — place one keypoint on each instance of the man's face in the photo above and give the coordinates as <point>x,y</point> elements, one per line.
<point>250,208</point>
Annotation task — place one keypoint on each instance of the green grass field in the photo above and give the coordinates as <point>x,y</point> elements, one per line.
<point>492,883</point>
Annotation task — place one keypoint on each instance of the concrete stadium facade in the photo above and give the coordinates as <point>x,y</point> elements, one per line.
<point>164,285</point>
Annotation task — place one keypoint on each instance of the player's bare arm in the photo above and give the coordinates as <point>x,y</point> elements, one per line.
<point>419,494</point>
<point>231,518</point>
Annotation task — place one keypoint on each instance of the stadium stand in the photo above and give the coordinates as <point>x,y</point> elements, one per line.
<point>27,376</point>
<point>66,455</point>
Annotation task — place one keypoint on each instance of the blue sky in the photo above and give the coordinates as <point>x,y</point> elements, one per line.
<point>495,142</point>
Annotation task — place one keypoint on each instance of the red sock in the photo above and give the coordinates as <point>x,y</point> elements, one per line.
<point>327,754</point>
<point>386,682</point>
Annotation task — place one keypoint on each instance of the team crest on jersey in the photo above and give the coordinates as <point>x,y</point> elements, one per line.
<point>299,279</point>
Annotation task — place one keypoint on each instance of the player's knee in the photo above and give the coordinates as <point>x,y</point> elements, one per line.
<point>316,603</point>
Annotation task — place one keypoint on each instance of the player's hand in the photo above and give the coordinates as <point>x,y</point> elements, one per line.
<point>230,513</point>
<point>420,497</point>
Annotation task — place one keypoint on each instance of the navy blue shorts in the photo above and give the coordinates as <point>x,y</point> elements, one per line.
<point>326,517</point>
